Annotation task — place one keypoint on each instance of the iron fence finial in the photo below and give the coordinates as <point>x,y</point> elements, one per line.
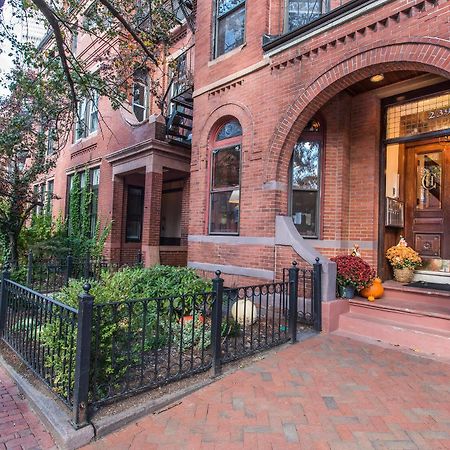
<point>86,288</point>
<point>218,273</point>
<point>294,263</point>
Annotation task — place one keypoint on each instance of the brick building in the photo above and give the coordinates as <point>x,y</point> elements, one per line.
<point>317,125</point>
<point>329,107</point>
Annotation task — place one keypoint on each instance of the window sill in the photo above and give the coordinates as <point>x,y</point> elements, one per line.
<point>221,58</point>
<point>218,233</point>
<point>85,139</point>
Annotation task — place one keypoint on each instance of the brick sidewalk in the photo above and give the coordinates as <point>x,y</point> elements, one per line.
<point>326,393</point>
<point>20,428</point>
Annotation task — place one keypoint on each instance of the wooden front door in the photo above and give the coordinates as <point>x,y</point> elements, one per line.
<point>427,225</point>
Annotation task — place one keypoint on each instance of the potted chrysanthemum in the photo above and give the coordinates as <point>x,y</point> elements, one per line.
<point>403,260</point>
<point>353,273</point>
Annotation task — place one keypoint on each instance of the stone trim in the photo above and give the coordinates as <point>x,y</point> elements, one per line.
<point>287,234</point>
<point>363,245</point>
<point>229,79</point>
<point>329,25</point>
<point>233,240</point>
<point>233,270</point>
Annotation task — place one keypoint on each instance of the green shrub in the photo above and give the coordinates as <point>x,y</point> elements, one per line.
<point>118,338</point>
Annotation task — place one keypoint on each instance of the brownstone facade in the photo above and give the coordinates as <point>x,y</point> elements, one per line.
<point>274,90</point>
<point>273,85</point>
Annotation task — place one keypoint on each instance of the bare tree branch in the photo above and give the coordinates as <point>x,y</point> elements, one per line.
<point>54,23</point>
<point>115,13</point>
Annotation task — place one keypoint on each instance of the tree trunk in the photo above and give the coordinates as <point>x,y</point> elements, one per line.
<point>13,251</point>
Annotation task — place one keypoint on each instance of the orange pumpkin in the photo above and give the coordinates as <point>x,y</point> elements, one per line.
<point>375,290</point>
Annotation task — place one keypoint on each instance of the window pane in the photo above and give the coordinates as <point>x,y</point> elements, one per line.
<point>230,31</point>
<point>226,167</point>
<point>139,101</point>
<point>229,130</point>
<point>304,212</point>
<point>224,217</point>
<point>93,113</point>
<point>302,12</point>
<point>223,6</point>
<point>95,174</point>
<point>305,166</point>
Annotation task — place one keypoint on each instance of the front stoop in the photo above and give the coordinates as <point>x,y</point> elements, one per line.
<point>408,318</point>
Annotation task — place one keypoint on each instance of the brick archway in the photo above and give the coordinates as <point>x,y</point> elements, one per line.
<point>427,54</point>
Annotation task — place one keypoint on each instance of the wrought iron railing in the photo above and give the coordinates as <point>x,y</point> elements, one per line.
<point>42,332</point>
<point>99,353</point>
<point>148,343</point>
<point>50,275</point>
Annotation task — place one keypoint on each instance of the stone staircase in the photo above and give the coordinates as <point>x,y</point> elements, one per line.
<point>413,318</point>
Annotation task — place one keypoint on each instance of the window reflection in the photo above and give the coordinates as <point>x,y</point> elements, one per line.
<point>305,182</point>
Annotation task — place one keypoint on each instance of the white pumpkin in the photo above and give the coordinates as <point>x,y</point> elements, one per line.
<point>244,312</point>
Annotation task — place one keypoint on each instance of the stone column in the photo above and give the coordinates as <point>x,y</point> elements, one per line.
<point>152,218</point>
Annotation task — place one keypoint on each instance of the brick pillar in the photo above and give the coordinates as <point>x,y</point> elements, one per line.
<point>117,215</point>
<point>152,218</point>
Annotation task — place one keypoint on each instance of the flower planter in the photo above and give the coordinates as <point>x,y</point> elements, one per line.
<point>403,275</point>
<point>347,291</point>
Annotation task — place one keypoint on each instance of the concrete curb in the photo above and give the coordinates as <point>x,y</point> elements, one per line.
<point>52,415</point>
<point>111,423</point>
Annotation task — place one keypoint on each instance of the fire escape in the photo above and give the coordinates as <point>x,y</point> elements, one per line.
<point>178,101</point>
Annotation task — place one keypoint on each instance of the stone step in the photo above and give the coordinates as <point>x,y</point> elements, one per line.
<point>419,313</point>
<point>393,289</point>
<point>396,332</point>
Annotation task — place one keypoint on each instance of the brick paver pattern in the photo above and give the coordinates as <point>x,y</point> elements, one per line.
<point>20,428</point>
<point>328,392</point>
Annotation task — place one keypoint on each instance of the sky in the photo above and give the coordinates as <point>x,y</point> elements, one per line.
<point>5,59</point>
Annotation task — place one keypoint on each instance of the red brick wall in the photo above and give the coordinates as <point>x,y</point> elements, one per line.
<point>274,103</point>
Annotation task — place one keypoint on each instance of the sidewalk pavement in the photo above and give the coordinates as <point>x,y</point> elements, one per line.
<point>328,392</point>
<point>20,428</point>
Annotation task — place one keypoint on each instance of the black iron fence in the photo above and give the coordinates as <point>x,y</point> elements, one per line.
<point>50,275</point>
<point>99,353</point>
<point>42,332</point>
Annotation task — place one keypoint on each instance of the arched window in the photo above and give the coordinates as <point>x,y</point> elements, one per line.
<point>140,95</point>
<point>225,179</point>
<point>305,180</point>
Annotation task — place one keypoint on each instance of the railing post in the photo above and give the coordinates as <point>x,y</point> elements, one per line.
<point>216,325</point>
<point>86,269</point>
<point>83,355</point>
<point>69,268</point>
<point>317,295</point>
<point>30,269</point>
<point>3,298</point>
<point>293,301</point>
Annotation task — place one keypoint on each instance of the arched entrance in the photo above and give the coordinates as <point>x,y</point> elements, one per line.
<point>354,188</point>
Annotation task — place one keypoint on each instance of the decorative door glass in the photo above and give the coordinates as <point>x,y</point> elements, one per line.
<point>428,180</point>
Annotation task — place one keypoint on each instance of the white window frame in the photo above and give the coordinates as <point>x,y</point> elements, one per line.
<point>86,120</point>
<point>145,106</point>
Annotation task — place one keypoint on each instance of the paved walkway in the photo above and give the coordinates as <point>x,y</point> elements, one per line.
<point>326,393</point>
<point>20,428</point>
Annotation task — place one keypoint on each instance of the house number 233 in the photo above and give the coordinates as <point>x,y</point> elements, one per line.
<point>438,113</point>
